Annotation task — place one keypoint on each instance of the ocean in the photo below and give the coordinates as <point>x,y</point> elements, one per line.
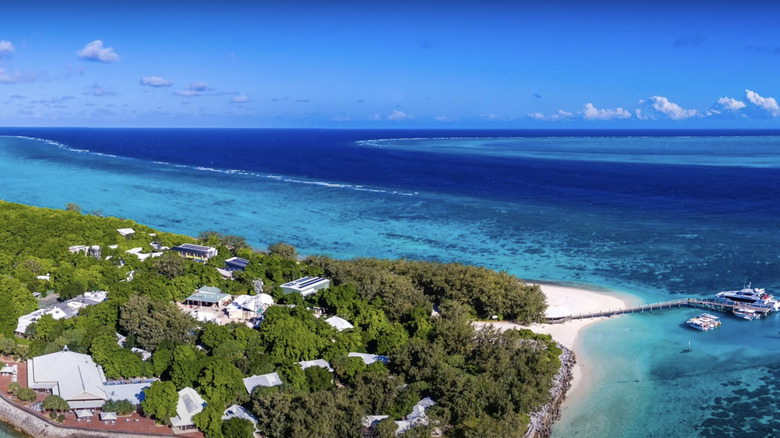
<point>658,214</point>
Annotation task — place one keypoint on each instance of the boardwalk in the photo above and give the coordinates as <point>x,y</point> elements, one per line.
<point>685,302</point>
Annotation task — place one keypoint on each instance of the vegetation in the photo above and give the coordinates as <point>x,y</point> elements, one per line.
<point>55,403</point>
<point>121,407</point>
<point>418,314</point>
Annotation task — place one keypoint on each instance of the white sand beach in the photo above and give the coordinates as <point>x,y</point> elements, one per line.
<point>576,300</point>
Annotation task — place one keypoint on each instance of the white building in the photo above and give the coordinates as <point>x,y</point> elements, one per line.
<point>339,324</point>
<point>306,286</point>
<point>316,363</point>
<point>368,359</point>
<point>190,404</point>
<point>266,380</point>
<point>64,310</point>
<point>78,380</point>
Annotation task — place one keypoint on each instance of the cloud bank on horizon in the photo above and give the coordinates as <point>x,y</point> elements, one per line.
<point>454,65</point>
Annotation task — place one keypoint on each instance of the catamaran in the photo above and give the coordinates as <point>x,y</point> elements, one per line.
<point>704,322</point>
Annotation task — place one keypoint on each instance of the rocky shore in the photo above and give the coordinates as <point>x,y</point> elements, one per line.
<point>542,420</point>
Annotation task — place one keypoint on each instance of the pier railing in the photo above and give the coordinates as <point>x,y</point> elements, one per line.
<point>685,302</point>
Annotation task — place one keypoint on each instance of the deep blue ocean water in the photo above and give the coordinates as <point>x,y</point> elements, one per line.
<point>656,214</point>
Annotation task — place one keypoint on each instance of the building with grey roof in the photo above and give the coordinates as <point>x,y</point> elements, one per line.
<point>266,380</point>
<point>195,252</point>
<point>190,404</point>
<point>306,286</point>
<point>73,376</point>
<point>64,310</point>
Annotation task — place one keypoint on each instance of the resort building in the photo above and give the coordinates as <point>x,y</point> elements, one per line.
<point>79,381</point>
<point>417,417</point>
<point>93,250</point>
<point>265,380</point>
<point>306,286</point>
<point>64,310</point>
<point>236,411</point>
<point>339,324</point>
<point>368,359</point>
<point>236,264</point>
<point>190,404</point>
<point>247,307</point>
<point>125,232</point>
<point>316,363</point>
<point>208,296</point>
<point>195,252</point>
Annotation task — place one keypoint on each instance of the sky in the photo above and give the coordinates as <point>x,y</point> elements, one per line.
<point>391,64</point>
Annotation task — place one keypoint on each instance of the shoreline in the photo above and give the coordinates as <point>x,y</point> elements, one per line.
<point>574,378</point>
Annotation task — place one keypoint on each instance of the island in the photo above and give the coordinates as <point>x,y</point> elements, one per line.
<point>113,327</point>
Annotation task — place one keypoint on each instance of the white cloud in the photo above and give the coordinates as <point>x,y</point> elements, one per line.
<point>193,89</point>
<point>590,112</point>
<point>670,109</point>
<point>99,91</point>
<point>730,104</point>
<point>398,115</point>
<point>240,99</point>
<point>560,115</point>
<point>95,51</point>
<point>441,118</point>
<point>767,103</point>
<point>156,81</point>
<point>16,77</point>
<point>6,47</point>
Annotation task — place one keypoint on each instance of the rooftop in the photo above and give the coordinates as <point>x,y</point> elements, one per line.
<point>190,403</point>
<point>266,380</point>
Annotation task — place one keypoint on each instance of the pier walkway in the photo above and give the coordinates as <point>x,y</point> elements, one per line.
<point>685,302</point>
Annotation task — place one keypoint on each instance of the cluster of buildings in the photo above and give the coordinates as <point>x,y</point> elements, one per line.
<point>64,310</point>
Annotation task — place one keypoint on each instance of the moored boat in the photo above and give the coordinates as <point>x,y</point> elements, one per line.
<point>704,322</point>
<point>755,297</point>
<point>746,313</point>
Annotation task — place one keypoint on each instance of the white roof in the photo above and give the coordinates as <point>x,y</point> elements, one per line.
<point>339,324</point>
<point>134,392</point>
<point>369,420</point>
<point>108,415</point>
<point>266,380</point>
<point>368,359</point>
<point>555,312</point>
<point>419,409</point>
<point>316,363</point>
<point>74,376</point>
<point>125,231</point>
<point>190,403</point>
<point>236,411</point>
<point>253,303</point>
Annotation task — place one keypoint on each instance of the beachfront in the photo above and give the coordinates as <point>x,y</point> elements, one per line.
<point>575,300</point>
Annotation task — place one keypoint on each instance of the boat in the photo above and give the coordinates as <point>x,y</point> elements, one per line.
<point>704,322</point>
<point>755,297</point>
<point>746,313</point>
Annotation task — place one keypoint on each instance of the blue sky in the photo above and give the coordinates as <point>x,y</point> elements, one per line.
<point>379,64</point>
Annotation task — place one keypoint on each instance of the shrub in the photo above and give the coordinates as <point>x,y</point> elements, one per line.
<point>26,394</point>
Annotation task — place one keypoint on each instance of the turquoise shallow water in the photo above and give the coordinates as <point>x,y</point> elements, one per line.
<point>619,213</point>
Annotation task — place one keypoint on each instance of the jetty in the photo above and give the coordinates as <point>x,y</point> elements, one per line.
<point>701,303</point>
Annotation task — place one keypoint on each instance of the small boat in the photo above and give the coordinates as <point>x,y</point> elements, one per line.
<point>745,313</point>
<point>704,322</point>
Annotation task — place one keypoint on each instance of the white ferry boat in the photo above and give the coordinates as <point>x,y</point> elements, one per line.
<point>704,322</point>
<point>753,296</point>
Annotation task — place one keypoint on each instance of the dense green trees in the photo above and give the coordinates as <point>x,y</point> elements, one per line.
<point>160,401</point>
<point>418,313</point>
<point>121,407</point>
